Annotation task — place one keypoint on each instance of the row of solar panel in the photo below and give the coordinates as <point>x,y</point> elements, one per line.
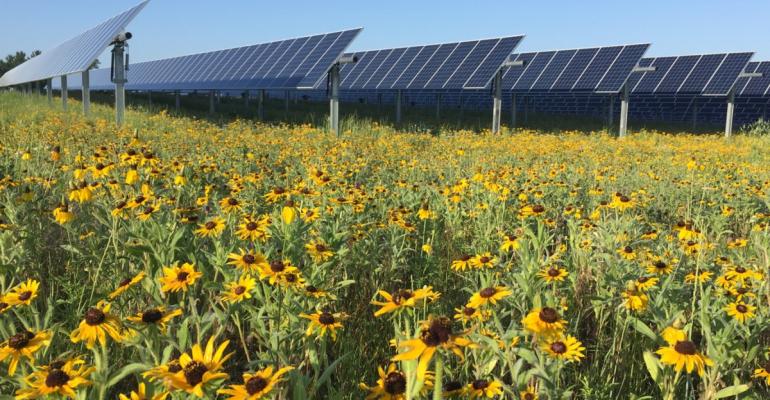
<point>710,74</point>
<point>74,55</point>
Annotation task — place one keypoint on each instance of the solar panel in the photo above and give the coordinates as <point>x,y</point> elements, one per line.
<point>755,86</point>
<point>74,55</point>
<point>708,74</point>
<point>600,70</point>
<point>300,63</point>
<point>460,65</point>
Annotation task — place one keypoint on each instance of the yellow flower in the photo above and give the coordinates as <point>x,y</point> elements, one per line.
<point>132,176</point>
<point>634,299</point>
<point>510,243</point>
<point>740,311</point>
<point>553,274</point>
<point>484,388</point>
<point>254,229</point>
<point>544,321</point>
<point>248,261</point>
<point>275,270</point>
<point>318,251</point>
<point>211,228</point>
<point>23,294</point>
<point>324,322</point>
<point>684,355</point>
<point>391,385</point>
<point>257,385</point>
<point>673,334</point>
<point>288,213</point>
<point>230,204</point>
<point>126,284</point>
<point>435,334</point>
<point>96,325</point>
<point>199,367</point>
<point>700,276</point>
<point>63,215</point>
<point>462,263</point>
<point>176,278</point>
<point>529,394</point>
<point>402,299</point>
<point>627,252</point>
<point>644,283</point>
<point>566,348</point>
<point>23,344</point>
<point>59,378</point>
<point>763,372</point>
<point>621,202</point>
<point>489,295</point>
<point>141,394</point>
<point>157,316</point>
<point>485,260</point>
<point>470,314</point>
<point>239,290</point>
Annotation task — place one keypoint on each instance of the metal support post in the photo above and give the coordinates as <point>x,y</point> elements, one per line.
<point>334,99</point>
<point>212,108</point>
<point>86,90</point>
<point>623,131</point>
<point>64,92</point>
<point>730,113</point>
<point>497,101</point>
<point>119,78</point>
<point>611,114</point>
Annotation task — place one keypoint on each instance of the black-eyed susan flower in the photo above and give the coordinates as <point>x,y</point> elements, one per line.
<point>257,385</point>
<point>155,316</point>
<point>141,394</point>
<point>544,321</point>
<point>488,295</point>
<point>627,252</point>
<point>23,344</point>
<point>566,348</point>
<point>763,372</point>
<point>634,299</point>
<point>239,290</point>
<point>510,243</point>
<point>645,283</point>
<point>484,388</point>
<point>621,202</point>
<point>742,274</point>
<point>276,269</point>
<point>530,393</point>
<point>323,322</point>
<point>126,284</point>
<point>391,385</point>
<point>319,252</point>
<point>684,355</point>
<point>484,260</point>
<point>553,274</point>
<point>254,229</point>
<point>62,378</point>
<point>212,228</point>
<point>230,204</point>
<point>293,280</point>
<point>698,276</point>
<point>462,263</point>
<point>23,294</point>
<point>247,261</point>
<point>659,267</point>
<point>531,210</point>
<point>199,367</point>
<point>403,298</point>
<point>276,194</point>
<point>178,277</point>
<point>453,389</point>
<point>740,311</point>
<point>435,334</point>
<point>674,333</point>
<point>63,215</point>
<point>309,215</point>
<point>97,324</point>
<point>470,314</point>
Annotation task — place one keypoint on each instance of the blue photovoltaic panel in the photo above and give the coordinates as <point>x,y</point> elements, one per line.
<point>759,86</point>
<point>634,78</point>
<point>725,77</point>
<point>74,55</point>
<point>463,65</point>
<point>600,70</point>
<point>299,63</point>
<point>742,82</point>
<point>709,74</point>
<point>617,75</point>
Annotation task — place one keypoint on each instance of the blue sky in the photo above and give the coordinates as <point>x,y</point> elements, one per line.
<point>174,27</point>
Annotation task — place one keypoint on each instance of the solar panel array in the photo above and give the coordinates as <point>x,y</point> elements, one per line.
<point>300,63</point>
<point>708,74</point>
<point>601,70</point>
<point>461,65</point>
<point>74,55</point>
<point>755,86</point>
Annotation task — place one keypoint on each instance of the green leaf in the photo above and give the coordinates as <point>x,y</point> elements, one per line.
<point>653,365</point>
<point>125,371</point>
<point>731,391</point>
<point>642,328</point>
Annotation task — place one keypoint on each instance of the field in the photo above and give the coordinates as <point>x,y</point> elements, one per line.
<point>179,258</point>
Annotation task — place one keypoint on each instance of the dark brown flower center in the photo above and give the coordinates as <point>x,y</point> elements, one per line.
<point>152,316</point>
<point>402,295</point>
<point>25,295</point>
<point>480,384</point>
<point>326,318</point>
<point>558,347</point>
<point>277,266</point>
<point>468,311</point>
<point>624,199</point>
<point>20,340</point>
<point>210,225</point>
<point>395,383</point>
<point>484,259</point>
<point>121,205</point>
<point>452,386</point>
<point>320,248</point>
<point>193,373</point>
<point>554,272</point>
<point>439,332</point>
<point>465,257</point>
<point>548,315</point>
<point>487,292</point>
<point>174,366</point>
<point>628,250</point>
<point>291,278</point>
<point>537,208</point>
<point>255,385</point>
<point>94,316</point>
<point>685,347</point>
<point>233,202</point>
<point>56,377</point>
<point>740,270</point>
<point>660,265</point>
<point>311,289</point>
<point>529,396</point>
<point>182,276</point>
<point>239,290</point>
<point>741,308</point>
<point>643,279</point>
<point>252,226</point>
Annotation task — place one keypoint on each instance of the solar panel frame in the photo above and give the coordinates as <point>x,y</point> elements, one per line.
<point>682,75</point>
<point>74,55</point>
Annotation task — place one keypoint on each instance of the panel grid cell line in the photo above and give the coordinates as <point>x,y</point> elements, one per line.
<point>450,65</point>
<point>554,69</point>
<point>294,62</point>
<point>636,77</point>
<point>74,55</point>
<point>574,69</point>
<point>724,79</point>
<point>502,51</point>
<point>597,68</point>
<point>276,74</point>
<point>742,82</point>
<point>325,58</point>
<point>536,67</point>
<point>224,60</point>
<point>470,64</point>
<point>252,54</point>
<point>512,74</point>
<point>393,58</point>
<point>173,68</point>
<point>410,53</point>
<point>620,71</point>
<point>429,69</point>
<point>231,61</point>
<point>366,74</point>
<point>652,79</point>
<point>677,74</point>
<point>701,73</point>
<point>199,62</point>
<point>362,65</point>
<point>758,86</point>
<point>262,75</point>
<point>198,79</point>
<point>415,67</point>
